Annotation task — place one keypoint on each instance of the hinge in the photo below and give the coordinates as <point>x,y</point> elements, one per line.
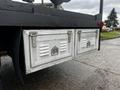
<point>96,33</point>
<point>79,35</point>
<point>69,36</point>
<point>33,38</point>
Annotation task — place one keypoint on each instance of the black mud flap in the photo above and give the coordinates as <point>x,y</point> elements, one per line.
<point>15,55</point>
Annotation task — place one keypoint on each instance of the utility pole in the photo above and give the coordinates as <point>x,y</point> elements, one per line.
<point>101,16</point>
<point>101,7</point>
<point>42,1</point>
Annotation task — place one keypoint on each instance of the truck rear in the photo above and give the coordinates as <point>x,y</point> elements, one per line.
<point>37,37</point>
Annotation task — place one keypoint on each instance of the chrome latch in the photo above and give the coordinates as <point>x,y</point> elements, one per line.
<point>69,36</point>
<point>88,44</point>
<point>79,35</point>
<point>54,51</point>
<point>33,36</point>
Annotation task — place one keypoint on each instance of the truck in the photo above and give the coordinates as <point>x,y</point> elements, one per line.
<point>37,37</point>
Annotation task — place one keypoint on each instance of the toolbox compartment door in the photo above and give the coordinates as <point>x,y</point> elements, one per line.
<point>44,48</point>
<point>86,40</point>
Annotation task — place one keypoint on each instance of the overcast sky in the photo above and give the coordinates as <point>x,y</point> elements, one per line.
<point>90,6</point>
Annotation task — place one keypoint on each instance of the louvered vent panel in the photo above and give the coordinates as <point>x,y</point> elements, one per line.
<point>43,50</point>
<point>63,46</point>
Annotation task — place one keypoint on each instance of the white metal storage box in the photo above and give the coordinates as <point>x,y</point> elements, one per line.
<point>45,48</point>
<point>86,40</point>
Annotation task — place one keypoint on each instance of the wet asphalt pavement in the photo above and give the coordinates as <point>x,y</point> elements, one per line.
<point>94,70</point>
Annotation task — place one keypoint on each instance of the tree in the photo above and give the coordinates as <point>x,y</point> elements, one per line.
<point>112,19</point>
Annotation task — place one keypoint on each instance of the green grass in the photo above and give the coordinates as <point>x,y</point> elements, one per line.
<point>110,35</point>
